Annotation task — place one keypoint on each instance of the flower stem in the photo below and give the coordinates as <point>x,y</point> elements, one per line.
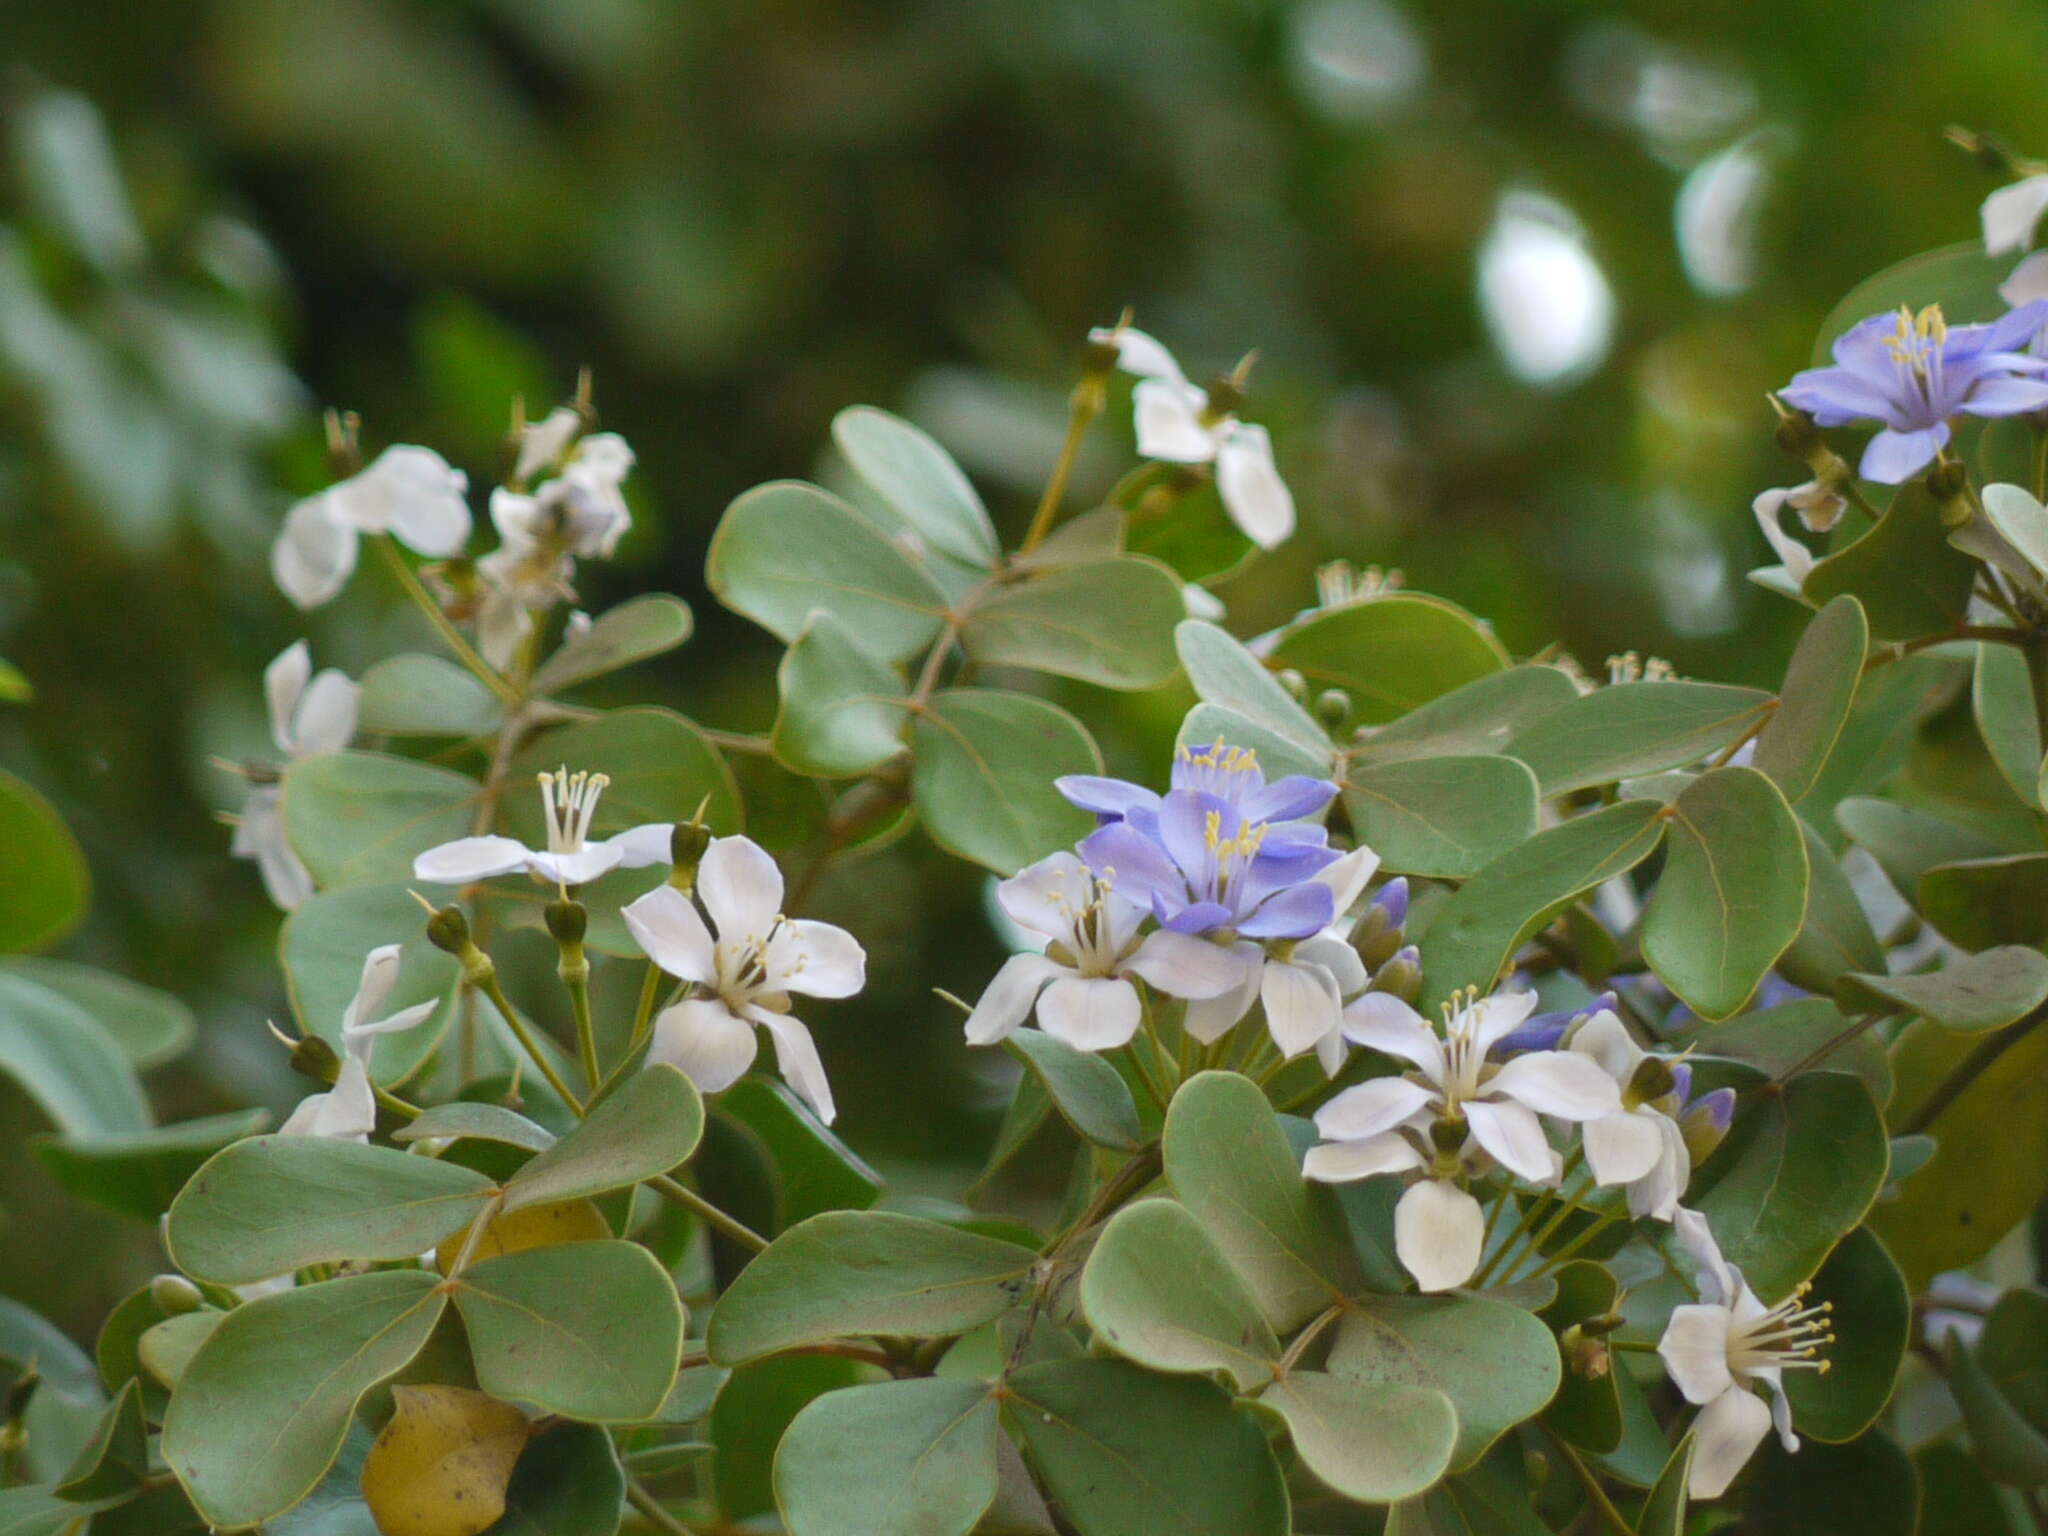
<point>650,1510</point>
<point>706,1212</point>
<point>1556,1260</point>
<point>643,1015</point>
<point>586,1035</point>
<point>490,986</point>
<point>1086,406</point>
<point>450,635</point>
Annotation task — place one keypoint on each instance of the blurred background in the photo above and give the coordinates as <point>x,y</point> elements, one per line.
<point>1518,272</point>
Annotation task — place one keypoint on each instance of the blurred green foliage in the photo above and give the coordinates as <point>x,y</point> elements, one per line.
<point>218,214</point>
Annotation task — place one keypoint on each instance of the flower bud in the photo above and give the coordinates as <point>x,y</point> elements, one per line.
<point>1948,483</point>
<point>174,1295</point>
<point>1796,432</point>
<point>687,845</point>
<point>1332,706</point>
<point>1400,976</point>
<point>1651,1080</point>
<point>1378,936</point>
<point>313,1057</point>
<point>1589,1358</point>
<point>1447,1135</point>
<point>1706,1122</point>
<point>568,920</point>
<point>1226,397</point>
<point>1293,682</point>
<point>448,929</point>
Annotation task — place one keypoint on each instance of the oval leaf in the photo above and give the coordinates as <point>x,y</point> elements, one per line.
<point>1909,578</point>
<point>649,1125</point>
<point>1390,653</point>
<point>65,1062</point>
<point>919,482</point>
<point>1973,994</point>
<point>637,630</point>
<point>1629,730</point>
<point>1223,672</point>
<point>983,784</point>
<point>1980,903</point>
<point>2002,699</point>
<point>1090,1092</point>
<point>1481,717</point>
<point>1374,1441</point>
<point>1109,622</point>
<point>1157,1291</point>
<point>1443,816</point>
<point>360,818</point>
<point>425,696</point>
<point>139,1173</point>
<point>842,710</point>
<point>1871,1320</point>
<point>898,1458</point>
<point>47,886</point>
<point>1814,704</point>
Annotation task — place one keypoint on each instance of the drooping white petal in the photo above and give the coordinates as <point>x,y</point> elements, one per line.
<point>1725,1436</point>
<point>669,931</point>
<point>326,716</point>
<point>1348,876</point>
<point>1340,1162</point>
<point>1514,1136</point>
<point>703,1038</point>
<point>1794,556</point>
<point>357,1039</point>
<point>315,553</point>
<point>1006,1001</point>
<point>1556,1083</point>
<point>1182,965</point>
<point>1714,1276</point>
<point>1139,353</point>
<point>652,842</point>
<point>1375,1105</point>
<point>412,493</point>
<point>1089,1013</point>
<point>542,443</point>
<point>1339,959</point>
<point>1301,1004</point>
<point>816,959</point>
<point>1385,1023</point>
<point>346,1112</point>
<point>578,868</point>
<point>1622,1148</point>
<point>1208,1019</point>
<point>380,975</point>
<point>259,835</point>
<point>2011,213</point>
<point>469,859</point>
<point>1781,1407</point>
<point>1607,1041</point>
<point>1253,493</point>
<point>796,1058</point>
<point>1495,1018</point>
<point>1169,422</point>
<point>741,887</point>
<point>284,683</point>
<point>1658,1191</point>
<point>1695,1350</point>
<point>1438,1233</point>
<point>1331,1051</point>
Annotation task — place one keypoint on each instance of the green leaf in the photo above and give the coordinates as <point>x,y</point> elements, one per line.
<point>814,1170</point>
<point>336,1506</point>
<point>166,1348</point>
<point>1224,673</point>
<point>1196,537</point>
<point>1110,622</point>
<point>476,1122</point>
<point>1629,730</point>
<point>649,1125</point>
<point>1835,936</point>
<point>2008,1447</point>
<point>2002,699</point>
<point>1090,1092</point>
<point>360,818</point>
<point>1664,1511</point>
<point>784,549</point>
<point>1907,842</point>
<point>261,1412</point>
<point>661,767</point>
<point>1814,704</point>
<point>865,1272</point>
<point>425,696</point>
<point>149,1026</point>
<point>37,1511</point>
<point>165,1511</point>
<point>1371,1441</point>
<point>1798,1170</point>
<point>1961,278</point>
<point>1229,1163</point>
<point>1979,903</point>
<point>1443,816</point>
<point>1587,1408</point>
<point>842,710</point>
<point>66,1063</point>
<point>67,1404</point>
<point>273,1204</point>
<point>2021,521</point>
<point>116,1460</point>
<point>139,1173</point>
<point>919,482</point>
<point>1973,994</point>
<point>15,688</point>
<point>898,1458</point>
<point>2014,1349</point>
<point>1777,1039</point>
<point>753,1411</point>
<point>1496,1362</point>
<point>1871,1320</point>
<point>1733,892</point>
<point>1206,724</point>
<point>1157,1291</point>
<point>639,629</point>
<point>1390,653</point>
<point>1955,1495</point>
<point>1909,578</point>
<point>567,1483</point>
<point>1864,1488</point>
<point>983,784</point>
<point>591,1331</point>
<point>1484,715</point>
<point>1128,1453</point>
<point>47,886</point>
<point>321,948</point>
<point>1475,936</point>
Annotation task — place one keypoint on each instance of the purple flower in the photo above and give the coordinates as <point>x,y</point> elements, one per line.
<point>1545,1031</point>
<point>1914,373</point>
<point>1230,774</point>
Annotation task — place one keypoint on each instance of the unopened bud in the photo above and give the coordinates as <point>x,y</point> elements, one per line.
<point>448,929</point>
<point>313,1057</point>
<point>1948,483</point>
<point>174,1295</point>
<point>1706,1122</point>
<point>1590,1358</point>
<point>1447,1135</point>
<point>1293,682</point>
<point>1226,396</point>
<point>1796,432</point>
<point>1651,1080</point>
<point>1987,150</point>
<point>1332,706</point>
<point>687,845</point>
<point>1401,976</point>
<point>568,920</point>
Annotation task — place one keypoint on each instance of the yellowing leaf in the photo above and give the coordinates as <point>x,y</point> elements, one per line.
<point>441,1465</point>
<point>532,1226</point>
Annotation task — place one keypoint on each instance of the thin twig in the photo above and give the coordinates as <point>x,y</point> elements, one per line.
<point>708,1213</point>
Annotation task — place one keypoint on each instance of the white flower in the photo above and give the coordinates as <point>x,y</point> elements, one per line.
<point>748,960</point>
<point>1178,424</point>
<point>542,443</point>
<point>1715,1350</point>
<point>2011,213</point>
<point>580,514</point>
<point>1638,1145</point>
<point>1081,984</point>
<point>411,493</point>
<point>1392,1124</point>
<point>308,715</point>
<point>1302,985</point>
<point>348,1110</point>
<point>570,858</point>
<point>1819,507</point>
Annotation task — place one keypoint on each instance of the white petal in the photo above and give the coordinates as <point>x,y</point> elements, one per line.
<point>1714,1277</point>
<point>1438,1232</point>
<point>414,494</point>
<point>347,1112</point>
<point>1382,1021</point>
<point>1556,1083</point>
<point>1045,897</point>
<point>1301,1003</point>
<point>1781,1407</point>
<point>1513,1135</point>
<point>741,887</point>
<point>1139,353</point>
<point>1695,1351</point>
<point>1331,1051</point>
<point>668,930</point>
<point>1607,1041</point>
<point>796,1058</point>
<point>284,682</point>
<point>1622,1148</point>
<point>815,959</point>
<point>1658,1192</point>
<point>1208,1019</point>
<point>650,843</point>
<point>1340,1162</point>
<point>542,443</point>
<point>2011,213</point>
<point>1169,422</point>
<point>1795,556</point>
<point>469,859</point>
<point>1493,1019</point>
<point>578,868</point>
<point>1089,1013</point>
<point>259,835</point>
<point>1375,1105</point>
<point>326,717</point>
<point>1338,958</point>
<point>1348,876</point>
<point>1182,965</point>
<point>2029,281</point>
<point>703,1038</point>
<point>502,625</point>
<point>357,1039</point>
<point>1725,1436</point>
<point>1253,493</point>
<point>1006,1001</point>
<point>314,554</point>
<point>380,975</point>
